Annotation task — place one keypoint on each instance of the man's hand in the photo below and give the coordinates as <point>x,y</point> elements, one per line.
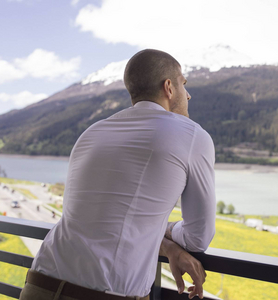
<point>181,262</point>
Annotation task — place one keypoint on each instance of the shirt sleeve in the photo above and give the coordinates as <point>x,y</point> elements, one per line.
<point>198,202</point>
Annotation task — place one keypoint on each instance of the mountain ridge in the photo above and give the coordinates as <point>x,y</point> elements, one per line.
<point>110,77</point>
<point>235,105</point>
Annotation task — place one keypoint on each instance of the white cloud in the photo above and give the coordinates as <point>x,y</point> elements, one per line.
<point>19,100</point>
<point>8,72</point>
<point>40,64</point>
<point>248,26</point>
<point>45,64</point>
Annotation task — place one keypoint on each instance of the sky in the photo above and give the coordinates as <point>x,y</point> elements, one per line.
<point>47,45</point>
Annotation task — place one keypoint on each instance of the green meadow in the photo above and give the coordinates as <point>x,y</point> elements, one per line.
<point>26,193</point>
<point>16,181</point>
<point>56,206</point>
<point>267,220</point>
<point>229,235</point>
<point>238,237</point>
<point>10,274</point>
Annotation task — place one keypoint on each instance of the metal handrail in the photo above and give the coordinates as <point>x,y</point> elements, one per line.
<point>241,264</point>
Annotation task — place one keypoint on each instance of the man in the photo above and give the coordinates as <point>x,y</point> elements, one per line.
<point>125,176</point>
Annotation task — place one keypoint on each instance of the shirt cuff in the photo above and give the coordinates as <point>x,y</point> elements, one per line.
<point>177,234</point>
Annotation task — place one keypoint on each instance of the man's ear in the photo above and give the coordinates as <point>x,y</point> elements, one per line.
<point>168,88</point>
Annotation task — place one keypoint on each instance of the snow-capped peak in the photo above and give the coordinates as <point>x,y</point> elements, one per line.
<point>111,73</point>
<point>214,58</point>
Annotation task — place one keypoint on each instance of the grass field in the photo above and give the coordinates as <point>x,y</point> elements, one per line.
<point>23,191</point>
<point>238,237</point>
<point>57,206</point>
<point>57,189</point>
<point>12,274</point>
<point>267,220</point>
<point>26,193</point>
<point>15,181</point>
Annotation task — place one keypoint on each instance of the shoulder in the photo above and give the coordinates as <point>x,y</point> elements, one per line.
<point>202,148</point>
<point>186,125</point>
<point>197,138</point>
<point>198,132</point>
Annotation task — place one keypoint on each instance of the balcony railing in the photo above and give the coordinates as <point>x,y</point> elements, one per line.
<point>247,265</point>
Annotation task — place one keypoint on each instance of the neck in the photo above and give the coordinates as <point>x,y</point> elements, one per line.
<point>164,102</point>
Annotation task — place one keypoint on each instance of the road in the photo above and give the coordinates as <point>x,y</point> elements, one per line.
<point>28,208</point>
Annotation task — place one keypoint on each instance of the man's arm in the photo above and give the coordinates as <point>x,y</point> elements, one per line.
<point>196,230</point>
<point>198,203</point>
<point>181,262</point>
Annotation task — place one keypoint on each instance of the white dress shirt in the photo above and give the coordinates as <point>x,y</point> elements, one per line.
<point>125,176</point>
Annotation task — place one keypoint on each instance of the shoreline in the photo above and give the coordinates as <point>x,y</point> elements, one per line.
<point>217,166</point>
<point>246,167</point>
<point>41,157</point>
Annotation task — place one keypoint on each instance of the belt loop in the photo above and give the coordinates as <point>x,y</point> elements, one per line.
<point>58,293</point>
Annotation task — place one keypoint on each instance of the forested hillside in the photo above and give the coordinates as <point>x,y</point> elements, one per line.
<point>53,128</point>
<point>235,105</point>
<point>239,108</point>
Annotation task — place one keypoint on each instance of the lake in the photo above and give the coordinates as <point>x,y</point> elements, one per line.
<point>251,189</point>
<point>35,168</point>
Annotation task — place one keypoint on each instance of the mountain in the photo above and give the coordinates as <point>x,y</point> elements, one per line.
<point>236,105</point>
<point>110,77</point>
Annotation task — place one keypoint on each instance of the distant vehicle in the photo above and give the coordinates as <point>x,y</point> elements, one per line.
<point>21,198</point>
<point>15,204</point>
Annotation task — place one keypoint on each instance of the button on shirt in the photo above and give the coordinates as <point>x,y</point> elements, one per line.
<point>125,176</point>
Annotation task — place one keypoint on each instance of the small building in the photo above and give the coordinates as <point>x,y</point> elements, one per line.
<point>254,223</point>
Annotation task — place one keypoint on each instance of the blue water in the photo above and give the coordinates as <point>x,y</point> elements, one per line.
<point>41,169</point>
<point>250,191</point>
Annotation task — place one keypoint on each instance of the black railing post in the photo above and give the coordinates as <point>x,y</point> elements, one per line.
<point>156,287</point>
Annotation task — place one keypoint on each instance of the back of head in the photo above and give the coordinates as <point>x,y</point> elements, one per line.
<point>146,72</point>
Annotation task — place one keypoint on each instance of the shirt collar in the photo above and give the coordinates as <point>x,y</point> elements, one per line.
<point>149,105</point>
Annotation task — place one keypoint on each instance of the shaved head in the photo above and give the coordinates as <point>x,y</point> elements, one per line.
<point>146,72</point>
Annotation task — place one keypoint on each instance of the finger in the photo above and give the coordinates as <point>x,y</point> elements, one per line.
<point>199,290</point>
<point>179,282</point>
<point>190,289</point>
<point>193,293</point>
<point>205,275</point>
<point>198,275</point>
<point>202,275</point>
<point>198,282</point>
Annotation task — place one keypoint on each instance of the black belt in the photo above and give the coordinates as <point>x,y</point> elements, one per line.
<point>72,290</point>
